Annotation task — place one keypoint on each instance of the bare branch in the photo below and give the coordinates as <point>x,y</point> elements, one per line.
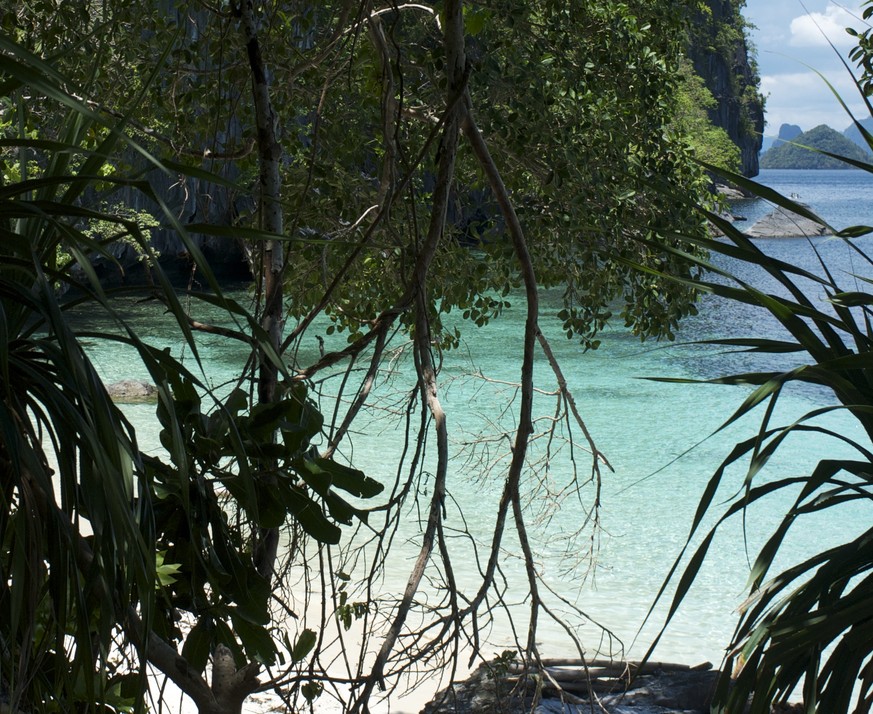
<point>598,455</point>
<point>525,422</point>
<point>170,663</point>
<point>454,45</point>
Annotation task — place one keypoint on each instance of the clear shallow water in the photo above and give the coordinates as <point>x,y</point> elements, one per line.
<point>659,437</point>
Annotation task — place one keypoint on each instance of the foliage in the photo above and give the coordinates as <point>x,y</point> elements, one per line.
<point>354,116</point>
<point>102,547</point>
<point>812,619</point>
<point>862,53</point>
<point>573,99</point>
<point>602,79</point>
<point>711,144</point>
<point>225,480</point>
<point>817,148</point>
<point>107,231</point>
<point>74,553</point>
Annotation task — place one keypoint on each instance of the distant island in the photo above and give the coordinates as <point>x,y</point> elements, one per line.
<point>854,133</point>
<point>787,132</point>
<point>801,151</point>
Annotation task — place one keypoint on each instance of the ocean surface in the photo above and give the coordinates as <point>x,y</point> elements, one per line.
<point>662,439</point>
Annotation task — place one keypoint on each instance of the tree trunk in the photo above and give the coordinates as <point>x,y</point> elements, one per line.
<point>272,265</point>
<point>231,686</point>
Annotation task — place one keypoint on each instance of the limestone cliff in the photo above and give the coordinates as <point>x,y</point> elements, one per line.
<point>720,52</point>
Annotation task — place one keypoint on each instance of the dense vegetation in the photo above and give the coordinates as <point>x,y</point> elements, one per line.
<point>339,159</point>
<point>612,144</point>
<point>379,167</point>
<point>710,143</point>
<point>818,148</point>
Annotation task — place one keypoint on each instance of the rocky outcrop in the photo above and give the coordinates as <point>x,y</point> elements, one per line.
<point>787,132</point>
<point>132,391</point>
<point>730,193</point>
<point>192,201</point>
<point>783,223</point>
<point>853,133</point>
<point>721,56</point>
<point>813,149</point>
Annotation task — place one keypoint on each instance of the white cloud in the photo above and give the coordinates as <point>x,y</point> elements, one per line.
<point>802,98</point>
<point>816,28</point>
<point>796,95</point>
<point>802,84</point>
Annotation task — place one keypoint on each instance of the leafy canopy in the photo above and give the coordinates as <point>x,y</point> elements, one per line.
<point>579,105</point>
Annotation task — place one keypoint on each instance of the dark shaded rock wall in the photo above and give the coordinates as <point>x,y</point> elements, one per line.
<point>721,55</point>
<point>191,201</point>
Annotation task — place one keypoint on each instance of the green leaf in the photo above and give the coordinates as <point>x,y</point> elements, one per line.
<point>348,479</point>
<point>852,299</point>
<point>198,645</point>
<point>475,20</point>
<point>308,514</point>
<point>271,512</point>
<point>165,572</point>
<point>311,690</point>
<point>305,643</point>
<point>256,640</point>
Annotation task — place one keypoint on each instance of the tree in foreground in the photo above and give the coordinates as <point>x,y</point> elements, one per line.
<point>407,161</point>
<point>103,547</point>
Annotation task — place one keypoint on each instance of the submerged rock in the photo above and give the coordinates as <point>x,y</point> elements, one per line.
<point>132,391</point>
<point>783,223</point>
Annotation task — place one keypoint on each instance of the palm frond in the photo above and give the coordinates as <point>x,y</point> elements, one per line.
<point>806,629</point>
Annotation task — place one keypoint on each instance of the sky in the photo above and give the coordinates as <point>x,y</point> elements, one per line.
<point>789,36</point>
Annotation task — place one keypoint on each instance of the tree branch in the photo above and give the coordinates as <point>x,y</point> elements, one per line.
<point>531,329</point>
<point>427,374</point>
<point>171,664</point>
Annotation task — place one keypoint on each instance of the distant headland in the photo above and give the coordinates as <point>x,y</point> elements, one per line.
<point>798,149</point>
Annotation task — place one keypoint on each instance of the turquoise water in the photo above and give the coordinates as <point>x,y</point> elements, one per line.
<point>660,439</point>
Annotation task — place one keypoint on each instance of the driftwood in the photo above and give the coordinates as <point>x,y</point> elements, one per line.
<point>575,670</point>
<point>571,686</point>
<point>616,667</point>
<point>574,685</point>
